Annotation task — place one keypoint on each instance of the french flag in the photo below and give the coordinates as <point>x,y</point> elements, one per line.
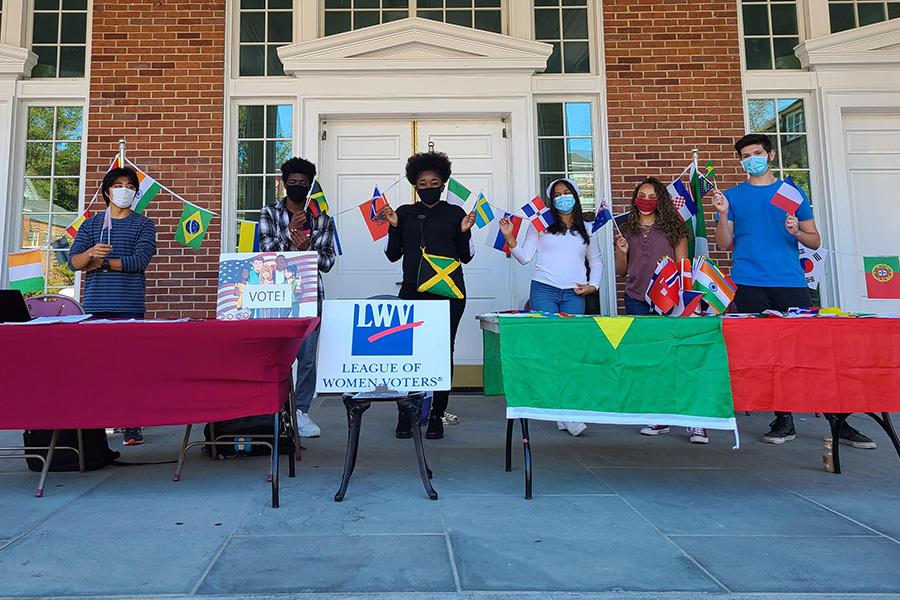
<point>788,197</point>
<point>538,213</point>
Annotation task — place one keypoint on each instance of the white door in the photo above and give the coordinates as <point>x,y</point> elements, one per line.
<point>478,152</point>
<point>873,164</point>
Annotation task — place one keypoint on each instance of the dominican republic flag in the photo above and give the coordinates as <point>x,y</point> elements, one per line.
<point>682,200</point>
<point>788,197</point>
<point>603,217</point>
<point>538,213</point>
<point>665,285</point>
<point>495,237</point>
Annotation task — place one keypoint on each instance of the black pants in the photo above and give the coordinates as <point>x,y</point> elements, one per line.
<point>441,399</point>
<point>755,299</point>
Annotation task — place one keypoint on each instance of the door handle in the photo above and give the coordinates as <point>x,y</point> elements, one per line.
<point>398,283</point>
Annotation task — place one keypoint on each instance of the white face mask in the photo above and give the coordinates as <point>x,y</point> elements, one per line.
<point>121,197</point>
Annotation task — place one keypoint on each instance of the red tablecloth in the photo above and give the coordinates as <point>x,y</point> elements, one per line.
<point>141,374</point>
<point>814,365</point>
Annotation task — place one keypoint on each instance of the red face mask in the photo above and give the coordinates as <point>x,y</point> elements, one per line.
<point>646,205</point>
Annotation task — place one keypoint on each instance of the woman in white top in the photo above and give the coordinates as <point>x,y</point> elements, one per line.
<point>568,265</point>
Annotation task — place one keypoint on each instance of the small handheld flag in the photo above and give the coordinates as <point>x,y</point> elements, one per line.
<point>316,201</point>
<point>495,238</point>
<point>248,237</point>
<point>26,271</point>
<point>107,226</point>
<point>788,197</point>
<point>718,290</point>
<point>538,213</point>
<point>603,216</point>
<point>457,193</point>
<point>662,293</point>
<point>376,223</point>
<point>813,263</point>
<point>682,200</point>
<point>483,212</point>
<point>72,229</point>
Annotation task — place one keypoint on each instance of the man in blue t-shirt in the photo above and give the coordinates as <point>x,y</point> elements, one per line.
<point>766,260</point>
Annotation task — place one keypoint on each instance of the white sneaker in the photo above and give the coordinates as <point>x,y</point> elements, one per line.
<point>698,435</point>
<point>306,427</point>
<point>575,428</point>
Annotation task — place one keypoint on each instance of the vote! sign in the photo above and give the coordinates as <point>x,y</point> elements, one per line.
<point>395,344</point>
<point>267,285</point>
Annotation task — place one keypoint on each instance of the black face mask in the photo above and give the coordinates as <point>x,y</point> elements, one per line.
<point>297,193</point>
<point>429,196</point>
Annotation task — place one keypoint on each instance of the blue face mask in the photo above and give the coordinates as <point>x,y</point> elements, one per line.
<point>755,165</point>
<point>565,203</point>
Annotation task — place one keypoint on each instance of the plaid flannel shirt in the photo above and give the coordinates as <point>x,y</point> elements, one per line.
<point>275,236</point>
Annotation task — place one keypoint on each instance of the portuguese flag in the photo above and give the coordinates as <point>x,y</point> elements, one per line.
<point>623,370</point>
<point>882,277</point>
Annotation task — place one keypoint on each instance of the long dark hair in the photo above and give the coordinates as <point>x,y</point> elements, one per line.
<point>667,218</point>
<point>577,215</point>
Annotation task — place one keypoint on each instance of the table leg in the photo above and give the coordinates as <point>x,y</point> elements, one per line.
<point>276,438</point>
<point>53,439</point>
<point>836,424</point>
<point>80,434</point>
<point>292,409</point>
<point>509,434</point>
<point>885,421</point>
<point>411,405</point>
<point>213,450</point>
<point>355,412</point>
<point>183,453</point>
<point>526,447</point>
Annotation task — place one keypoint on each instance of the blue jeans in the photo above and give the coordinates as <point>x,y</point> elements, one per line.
<point>634,306</point>
<point>305,386</point>
<point>547,298</point>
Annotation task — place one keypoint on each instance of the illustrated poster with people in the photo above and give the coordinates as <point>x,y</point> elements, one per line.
<point>267,285</point>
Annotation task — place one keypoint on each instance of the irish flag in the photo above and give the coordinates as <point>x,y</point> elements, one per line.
<point>882,276</point>
<point>788,197</point>
<point>26,271</point>
<point>638,370</point>
<point>457,193</point>
<point>146,193</point>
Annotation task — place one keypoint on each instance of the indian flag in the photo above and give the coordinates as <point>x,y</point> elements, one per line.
<point>26,271</point>
<point>457,193</point>
<point>148,190</point>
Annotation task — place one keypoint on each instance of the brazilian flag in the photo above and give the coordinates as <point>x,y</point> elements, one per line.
<point>440,275</point>
<point>192,226</point>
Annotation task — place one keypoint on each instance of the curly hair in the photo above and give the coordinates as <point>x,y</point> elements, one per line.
<point>577,215</point>
<point>428,161</point>
<point>667,218</point>
<point>298,165</point>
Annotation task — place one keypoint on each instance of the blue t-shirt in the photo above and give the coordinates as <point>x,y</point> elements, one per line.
<point>765,254</point>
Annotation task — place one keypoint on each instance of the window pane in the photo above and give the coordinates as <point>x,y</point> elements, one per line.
<point>800,178</point>
<point>74,28</point>
<point>46,4</point>
<point>460,17</point>
<point>547,178</point>
<point>58,34</point>
<point>68,122</point>
<point>45,29</point>
<point>250,157</point>
<point>433,15</point>
<point>46,61</point>
<point>784,53</point>
<point>893,10</point>
<point>273,191</point>
<point>394,15</point>
<point>37,195</point>
<point>578,119</point>
<point>784,19</point>
<point>277,153</point>
<point>546,24</point>
<point>552,155</point>
<point>762,115</point>
<point>585,183</point>
<point>870,12</point>
<point>250,193</point>
<point>68,158</point>
<point>38,158</point>
<point>278,121</point>
<point>71,61</point>
<point>488,20</point>
<point>791,115</point>
<point>550,119</point>
<point>841,16</point>
<point>337,22</point>
<point>794,152</point>
<point>365,18</point>
<point>273,63</point>
<point>250,121</point>
<point>576,57</point>
<point>40,123</point>
<point>65,195</point>
<point>554,63</point>
<point>758,53</point>
<point>575,24</point>
<point>252,60</point>
<point>253,27</point>
<point>579,155</point>
<point>756,19</point>
<point>280,27</point>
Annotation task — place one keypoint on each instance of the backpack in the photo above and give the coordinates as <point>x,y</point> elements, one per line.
<point>243,430</point>
<point>97,453</point>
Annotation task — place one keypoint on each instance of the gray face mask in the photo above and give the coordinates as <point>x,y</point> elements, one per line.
<point>121,197</point>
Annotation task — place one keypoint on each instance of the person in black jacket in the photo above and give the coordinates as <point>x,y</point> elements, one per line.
<point>445,230</point>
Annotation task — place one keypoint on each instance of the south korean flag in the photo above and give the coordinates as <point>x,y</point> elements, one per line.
<point>813,264</point>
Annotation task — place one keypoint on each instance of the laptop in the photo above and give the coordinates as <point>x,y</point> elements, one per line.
<point>12,307</point>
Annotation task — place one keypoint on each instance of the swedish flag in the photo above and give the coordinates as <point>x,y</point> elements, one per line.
<point>192,226</point>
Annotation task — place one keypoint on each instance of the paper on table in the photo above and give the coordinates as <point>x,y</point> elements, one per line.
<point>183,320</point>
<point>51,320</point>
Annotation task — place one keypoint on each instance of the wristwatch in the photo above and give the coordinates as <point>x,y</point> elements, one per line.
<point>104,266</point>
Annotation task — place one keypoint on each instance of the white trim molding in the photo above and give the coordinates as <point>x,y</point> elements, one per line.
<point>874,46</point>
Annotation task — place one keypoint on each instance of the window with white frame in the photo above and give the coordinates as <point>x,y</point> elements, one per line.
<point>564,25</point>
<point>59,37</point>
<point>566,146</point>
<point>53,147</point>
<point>849,14</point>
<point>347,15</point>
<point>263,145</point>
<point>771,30</point>
<point>265,26</point>
<point>784,121</point>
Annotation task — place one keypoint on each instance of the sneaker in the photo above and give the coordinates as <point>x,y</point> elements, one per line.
<point>655,429</point>
<point>404,430</point>
<point>435,429</point>
<point>306,427</point>
<point>698,435</point>
<point>853,437</point>
<point>575,428</point>
<point>561,425</point>
<point>449,419</point>
<point>781,430</point>
<point>132,437</point>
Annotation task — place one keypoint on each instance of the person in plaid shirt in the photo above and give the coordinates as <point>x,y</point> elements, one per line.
<point>287,226</point>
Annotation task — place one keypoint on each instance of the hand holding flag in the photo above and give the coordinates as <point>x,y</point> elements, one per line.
<point>788,197</point>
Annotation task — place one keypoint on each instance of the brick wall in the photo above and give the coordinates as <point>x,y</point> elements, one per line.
<point>673,83</point>
<point>157,80</point>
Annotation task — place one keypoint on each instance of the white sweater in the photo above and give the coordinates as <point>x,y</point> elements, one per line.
<point>561,258</point>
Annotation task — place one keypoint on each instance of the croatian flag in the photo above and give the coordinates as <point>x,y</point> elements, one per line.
<point>603,217</point>
<point>788,197</point>
<point>663,292</point>
<point>682,200</point>
<point>495,237</point>
<point>538,213</point>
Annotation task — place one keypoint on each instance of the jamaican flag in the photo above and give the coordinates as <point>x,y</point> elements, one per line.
<point>440,275</point>
<point>624,370</point>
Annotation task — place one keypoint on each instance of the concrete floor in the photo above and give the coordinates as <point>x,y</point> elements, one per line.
<point>615,515</point>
